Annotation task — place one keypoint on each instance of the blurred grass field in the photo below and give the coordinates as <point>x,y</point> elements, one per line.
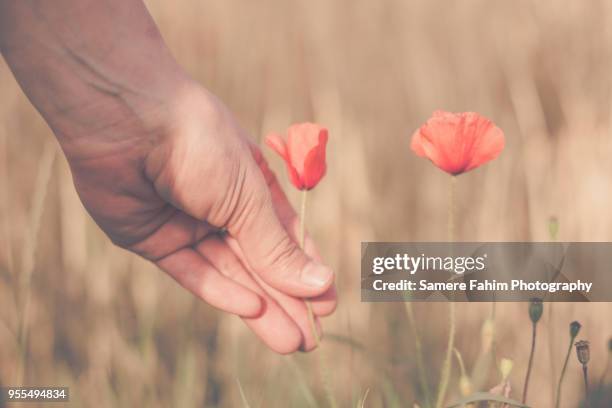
<point>76,311</point>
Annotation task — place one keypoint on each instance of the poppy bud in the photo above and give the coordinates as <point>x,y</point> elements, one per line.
<point>553,227</point>
<point>583,351</point>
<point>536,307</point>
<point>574,329</point>
<point>303,151</point>
<point>465,385</point>
<point>610,345</point>
<point>487,335</point>
<point>505,367</point>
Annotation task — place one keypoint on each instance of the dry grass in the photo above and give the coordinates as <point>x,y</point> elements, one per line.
<point>120,333</point>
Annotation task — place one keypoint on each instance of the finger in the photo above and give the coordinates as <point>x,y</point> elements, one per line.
<point>198,276</point>
<point>294,307</point>
<point>297,309</point>
<point>178,231</point>
<point>326,303</point>
<point>267,246</point>
<point>273,326</point>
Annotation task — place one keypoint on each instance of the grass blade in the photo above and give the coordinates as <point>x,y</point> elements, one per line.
<point>245,402</point>
<point>362,400</point>
<point>486,396</point>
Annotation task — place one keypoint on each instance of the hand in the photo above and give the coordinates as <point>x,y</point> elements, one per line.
<point>197,198</point>
<point>162,166</point>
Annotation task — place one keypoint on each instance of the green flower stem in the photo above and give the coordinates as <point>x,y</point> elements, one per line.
<point>302,231</point>
<point>553,230</point>
<point>302,238</point>
<point>604,373</point>
<point>419,356</point>
<point>313,328</point>
<point>452,192</point>
<point>530,364</point>
<point>586,386</point>
<point>567,357</point>
<point>448,359</point>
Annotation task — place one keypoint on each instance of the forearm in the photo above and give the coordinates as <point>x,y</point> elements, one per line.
<point>89,66</point>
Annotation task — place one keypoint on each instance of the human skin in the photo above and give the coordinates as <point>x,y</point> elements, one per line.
<point>162,166</point>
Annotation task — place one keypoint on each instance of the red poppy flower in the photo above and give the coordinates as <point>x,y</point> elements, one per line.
<point>458,142</point>
<point>303,153</point>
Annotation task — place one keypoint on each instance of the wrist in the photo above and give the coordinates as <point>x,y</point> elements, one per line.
<point>123,116</point>
<point>108,85</point>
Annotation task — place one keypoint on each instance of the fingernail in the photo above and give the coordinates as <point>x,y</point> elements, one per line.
<point>315,274</point>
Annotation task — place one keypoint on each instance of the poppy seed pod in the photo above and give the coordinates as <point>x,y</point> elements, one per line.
<point>536,307</point>
<point>574,329</point>
<point>583,351</point>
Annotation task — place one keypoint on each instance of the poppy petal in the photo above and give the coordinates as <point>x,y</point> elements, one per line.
<point>440,141</point>
<point>417,144</point>
<point>489,146</point>
<point>314,164</point>
<point>277,143</point>
<point>301,139</point>
<point>294,177</point>
<point>458,142</point>
<point>303,153</point>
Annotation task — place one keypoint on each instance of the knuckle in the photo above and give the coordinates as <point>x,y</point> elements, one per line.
<point>235,188</point>
<point>283,256</point>
<point>247,201</point>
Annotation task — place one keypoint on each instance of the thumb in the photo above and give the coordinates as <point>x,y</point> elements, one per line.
<point>208,169</point>
<point>266,244</point>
